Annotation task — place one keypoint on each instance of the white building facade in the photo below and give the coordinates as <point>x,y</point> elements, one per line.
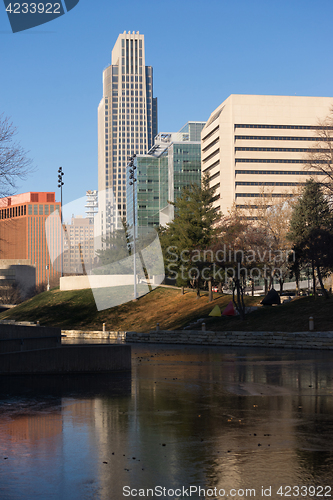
<point>253,143</point>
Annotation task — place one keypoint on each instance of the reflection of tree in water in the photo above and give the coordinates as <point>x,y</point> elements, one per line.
<point>314,436</point>
<point>317,465</point>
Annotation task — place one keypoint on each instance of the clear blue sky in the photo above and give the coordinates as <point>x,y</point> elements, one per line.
<point>201,52</point>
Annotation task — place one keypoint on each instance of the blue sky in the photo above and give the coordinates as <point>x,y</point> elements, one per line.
<point>201,52</point>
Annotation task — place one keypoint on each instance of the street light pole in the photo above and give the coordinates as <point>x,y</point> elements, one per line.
<point>60,184</point>
<point>132,178</point>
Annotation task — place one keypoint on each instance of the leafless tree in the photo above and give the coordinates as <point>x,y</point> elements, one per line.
<point>320,157</point>
<point>14,162</point>
<point>10,294</point>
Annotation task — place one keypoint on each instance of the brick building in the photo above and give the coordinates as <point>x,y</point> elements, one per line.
<point>23,233</point>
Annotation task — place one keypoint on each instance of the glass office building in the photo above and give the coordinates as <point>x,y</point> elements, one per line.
<point>173,163</point>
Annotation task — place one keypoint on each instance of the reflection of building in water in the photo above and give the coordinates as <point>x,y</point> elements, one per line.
<point>229,418</point>
<point>78,245</point>
<point>33,427</point>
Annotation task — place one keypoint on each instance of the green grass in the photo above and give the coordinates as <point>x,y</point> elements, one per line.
<point>77,310</point>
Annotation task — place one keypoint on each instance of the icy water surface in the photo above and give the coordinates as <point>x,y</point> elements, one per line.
<point>233,422</point>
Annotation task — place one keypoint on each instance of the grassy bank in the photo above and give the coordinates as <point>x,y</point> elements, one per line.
<point>166,306</point>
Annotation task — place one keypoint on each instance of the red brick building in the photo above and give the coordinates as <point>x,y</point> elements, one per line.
<point>23,233</point>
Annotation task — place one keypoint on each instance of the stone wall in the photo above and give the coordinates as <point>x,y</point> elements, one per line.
<point>295,340</point>
<point>81,334</point>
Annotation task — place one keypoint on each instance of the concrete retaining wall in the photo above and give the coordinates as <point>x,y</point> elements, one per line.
<point>14,337</point>
<point>297,340</point>
<point>95,281</point>
<point>81,334</point>
<point>88,358</point>
<point>29,344</point>
<point>13,330</point>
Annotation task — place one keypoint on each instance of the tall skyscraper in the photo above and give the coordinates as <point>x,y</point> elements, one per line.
<point>127,124</point>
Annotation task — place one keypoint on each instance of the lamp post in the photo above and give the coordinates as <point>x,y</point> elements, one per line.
<point>60,184</point>
<point>132,178</point>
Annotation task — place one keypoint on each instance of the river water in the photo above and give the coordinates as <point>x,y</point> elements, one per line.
<point>235,422</point>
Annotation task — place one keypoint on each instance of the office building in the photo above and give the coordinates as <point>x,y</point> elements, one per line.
<point>127,124</point>
<point>174,162</point>
<point>252,144</point>
<point>23,233</point>
<point>79,251</point>
<point>91,205</point>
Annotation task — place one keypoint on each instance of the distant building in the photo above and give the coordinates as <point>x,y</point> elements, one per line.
<point>23,233</point>
<point>127,124</point>
<point>91,204</point>
<point>78,245</point>
<point>174,162</point>
<point>17,272</point>
<point>259,142</point>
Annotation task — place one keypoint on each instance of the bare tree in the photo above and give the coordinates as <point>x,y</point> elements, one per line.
<point>320,157</point>
<point>10,294</point>
<point>14,163</point>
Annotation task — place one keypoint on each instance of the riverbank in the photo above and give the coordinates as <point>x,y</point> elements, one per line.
<point>76,310</point>
<point>287,340</point>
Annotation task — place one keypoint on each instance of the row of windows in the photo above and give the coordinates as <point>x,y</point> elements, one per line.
<point>123,42</point>
<point>269,183</point>
<point>272,160</point>
<point>215,164</point>
<point>132,78</point>
<point>214,176</point>
<point>211,155</point>
<point>252,206</point>
<point>211,145</point>
<point>210,133</point>
<point>302,127</point>
<point>278,172</point>
<point>21,210</point>
<point>281,150</point>
<point>7,213</point>
<point>279,138</point>
<point>265,195</point>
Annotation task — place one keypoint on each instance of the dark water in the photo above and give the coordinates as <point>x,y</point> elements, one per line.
<point>222,419</point>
